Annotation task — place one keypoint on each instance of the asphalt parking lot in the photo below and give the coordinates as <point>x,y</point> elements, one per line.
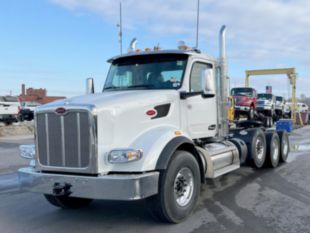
<point>247,200</point>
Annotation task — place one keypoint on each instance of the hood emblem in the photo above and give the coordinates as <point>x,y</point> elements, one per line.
<point>61,111</point>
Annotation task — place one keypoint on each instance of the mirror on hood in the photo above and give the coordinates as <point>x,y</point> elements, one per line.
<point>90,89</point>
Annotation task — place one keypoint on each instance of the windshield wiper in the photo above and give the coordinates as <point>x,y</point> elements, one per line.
<point>110,87</point>
<point>142,85</point>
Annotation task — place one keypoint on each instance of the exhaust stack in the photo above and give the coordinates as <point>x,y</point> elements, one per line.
<point>132,46</point>
<point>223,132</point>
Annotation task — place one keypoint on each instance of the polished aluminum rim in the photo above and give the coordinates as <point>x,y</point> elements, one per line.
<point>275,150</point>
<point>285,146</point>
<point>184,186</point>
<point>259,148</point>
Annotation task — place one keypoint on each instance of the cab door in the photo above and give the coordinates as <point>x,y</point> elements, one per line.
<point>201,111</point>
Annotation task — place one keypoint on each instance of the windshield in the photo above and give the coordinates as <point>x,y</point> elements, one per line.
<point>264,96</point>
<point>279,98</point>
<point>160,71</point>
<point>242,92</point>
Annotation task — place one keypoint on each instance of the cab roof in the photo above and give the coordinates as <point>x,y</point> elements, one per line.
<point>195,53</point>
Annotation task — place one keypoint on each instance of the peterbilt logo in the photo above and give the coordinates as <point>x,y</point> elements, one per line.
<point>60,111</point>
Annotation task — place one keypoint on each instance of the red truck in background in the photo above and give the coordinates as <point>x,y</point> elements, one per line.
<point>245,102</point>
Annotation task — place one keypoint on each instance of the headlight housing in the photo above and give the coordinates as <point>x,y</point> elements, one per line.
<point>124,155</point>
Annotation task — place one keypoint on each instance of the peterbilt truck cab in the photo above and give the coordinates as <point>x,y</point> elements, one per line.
<point>157,130</point>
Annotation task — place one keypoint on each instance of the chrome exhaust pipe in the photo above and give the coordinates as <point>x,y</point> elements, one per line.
<point>223,84</point>
<point>132,46</point>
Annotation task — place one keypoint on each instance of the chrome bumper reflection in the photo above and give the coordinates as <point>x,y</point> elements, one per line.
<point>108,187</point>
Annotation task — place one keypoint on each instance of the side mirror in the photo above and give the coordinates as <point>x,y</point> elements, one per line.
<point>207,82</point>
<point>90,89</point>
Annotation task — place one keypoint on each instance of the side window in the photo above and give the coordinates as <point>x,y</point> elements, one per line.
<point>195,85</point>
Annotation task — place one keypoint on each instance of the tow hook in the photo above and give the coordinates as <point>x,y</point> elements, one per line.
<point>62,189</point>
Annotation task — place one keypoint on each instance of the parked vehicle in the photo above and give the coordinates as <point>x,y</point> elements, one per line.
<point>245,101</point>
<point>156,132</point>
<point>279,106</point>
<point>301,107</point>
<point>266,104</point>
<point>27,111</point>
<point>9,109</point>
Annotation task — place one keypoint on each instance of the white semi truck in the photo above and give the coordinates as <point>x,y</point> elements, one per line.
<point>157,130</point>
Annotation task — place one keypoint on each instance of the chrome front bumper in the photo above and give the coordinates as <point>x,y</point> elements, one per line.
<point>107,187</point>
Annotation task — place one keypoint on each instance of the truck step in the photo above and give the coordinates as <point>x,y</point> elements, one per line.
<point>225,170</point>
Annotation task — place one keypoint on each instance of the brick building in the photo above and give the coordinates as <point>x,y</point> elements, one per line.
<point>37,95</point>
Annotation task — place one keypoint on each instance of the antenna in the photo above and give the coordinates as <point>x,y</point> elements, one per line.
<point>120,26</point>
<point>197,25</point>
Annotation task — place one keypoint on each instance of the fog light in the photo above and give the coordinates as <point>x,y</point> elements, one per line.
<point>27,151</point>
<point>124,155</point>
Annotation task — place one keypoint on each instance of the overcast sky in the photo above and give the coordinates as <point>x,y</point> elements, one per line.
<point>57,44</point>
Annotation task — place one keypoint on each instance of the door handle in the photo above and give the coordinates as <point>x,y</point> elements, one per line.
<point>212,127</point>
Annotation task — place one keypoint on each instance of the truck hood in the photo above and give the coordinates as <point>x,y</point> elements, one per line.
<point>264,101</point>
<point>241,97</point>
<point>114,99</point>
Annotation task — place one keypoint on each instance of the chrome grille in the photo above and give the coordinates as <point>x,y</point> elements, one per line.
<point>64,140</point>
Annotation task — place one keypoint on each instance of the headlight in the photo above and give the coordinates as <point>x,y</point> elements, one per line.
<point>124,155</point>
<point>27,151</point>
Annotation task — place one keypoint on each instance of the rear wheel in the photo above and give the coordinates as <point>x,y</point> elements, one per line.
<point>258,150</point>
<point>179,189</point>
<point>67,202</point>
<point>273,149</point>
<point>251,113</point>
<point>284,145</point>
<point>256,144</point>
<point>270,121</point>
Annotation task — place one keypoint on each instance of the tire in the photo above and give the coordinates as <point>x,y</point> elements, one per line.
<point>285,145</point>
<point>270,122</point>
<point>273,149</point>
<point>237,116</point>
<point>256,150</point>
<point>251,113</point>
<point>65,202</point>
<point>21,118</point>
<point>166,205</point>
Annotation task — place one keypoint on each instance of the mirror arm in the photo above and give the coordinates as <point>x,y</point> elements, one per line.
<point>184,95</point>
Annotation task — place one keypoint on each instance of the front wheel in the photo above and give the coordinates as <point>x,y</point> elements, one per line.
<point>67,202</point>
<point>179,189</point>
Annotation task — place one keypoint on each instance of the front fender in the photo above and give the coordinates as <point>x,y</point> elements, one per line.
<point>152,142</point>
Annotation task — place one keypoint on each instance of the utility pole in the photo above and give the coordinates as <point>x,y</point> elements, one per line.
<point>120,26</point>
<point>197,25</point>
